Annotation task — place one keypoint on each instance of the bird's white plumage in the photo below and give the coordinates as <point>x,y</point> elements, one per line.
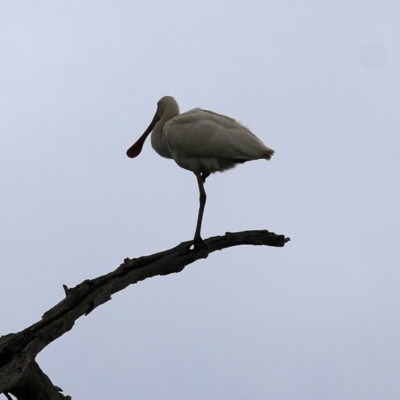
<point>201,133</point>
<point>205,142</point>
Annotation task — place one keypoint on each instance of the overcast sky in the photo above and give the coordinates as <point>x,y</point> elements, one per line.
<point>319,82</point>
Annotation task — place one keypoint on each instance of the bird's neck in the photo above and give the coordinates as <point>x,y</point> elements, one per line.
<point>158,141</point>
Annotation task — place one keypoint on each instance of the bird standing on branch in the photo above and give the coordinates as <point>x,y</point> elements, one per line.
<point>200,141</point>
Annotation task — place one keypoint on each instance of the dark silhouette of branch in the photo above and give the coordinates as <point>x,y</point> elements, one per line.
<point>19,373</point>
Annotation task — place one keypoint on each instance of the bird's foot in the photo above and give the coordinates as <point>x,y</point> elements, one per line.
<point>198,244</point>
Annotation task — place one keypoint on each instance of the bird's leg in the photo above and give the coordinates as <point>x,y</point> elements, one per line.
<point>198,241</point>
<point>204,176</point>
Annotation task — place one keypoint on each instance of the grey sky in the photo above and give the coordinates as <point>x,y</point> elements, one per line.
<point>319,83</point>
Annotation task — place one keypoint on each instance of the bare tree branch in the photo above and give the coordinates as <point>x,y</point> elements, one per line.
<point>19,373</point>
<point>35,384</point>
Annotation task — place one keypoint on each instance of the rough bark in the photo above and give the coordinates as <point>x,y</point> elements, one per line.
<point>34,384</point>
<point>19,373</point>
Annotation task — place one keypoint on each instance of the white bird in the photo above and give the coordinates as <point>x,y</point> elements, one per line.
<point>200,141</point>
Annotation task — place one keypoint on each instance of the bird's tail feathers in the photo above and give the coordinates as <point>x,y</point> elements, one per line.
<point>268,153</point>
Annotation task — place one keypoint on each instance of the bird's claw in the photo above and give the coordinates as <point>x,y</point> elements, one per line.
<point>199,244</point>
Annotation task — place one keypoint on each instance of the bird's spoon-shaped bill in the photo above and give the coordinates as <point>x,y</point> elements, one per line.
<point>136,148</point>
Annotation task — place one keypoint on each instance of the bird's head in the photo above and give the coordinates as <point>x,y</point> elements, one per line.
<point>167,108</point>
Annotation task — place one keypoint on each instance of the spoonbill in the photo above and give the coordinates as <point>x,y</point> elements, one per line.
<point>200,141</point>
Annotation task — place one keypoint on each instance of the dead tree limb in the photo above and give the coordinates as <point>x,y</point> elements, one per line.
<point>19,373</point>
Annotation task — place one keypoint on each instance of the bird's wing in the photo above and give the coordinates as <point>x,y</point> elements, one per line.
<point>201,133</point>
